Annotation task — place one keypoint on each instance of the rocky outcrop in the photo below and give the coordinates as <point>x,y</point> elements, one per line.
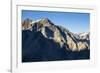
<point>56,42</point>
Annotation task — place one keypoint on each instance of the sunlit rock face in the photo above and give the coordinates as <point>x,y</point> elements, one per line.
<point>42,40</point>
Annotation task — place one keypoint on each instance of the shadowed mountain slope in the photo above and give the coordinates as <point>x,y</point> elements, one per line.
<point>44,41</point>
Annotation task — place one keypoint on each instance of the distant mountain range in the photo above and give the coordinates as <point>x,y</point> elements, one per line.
<point>42,40</point>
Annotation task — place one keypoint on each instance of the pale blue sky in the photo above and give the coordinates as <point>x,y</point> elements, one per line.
<point>75,22</point>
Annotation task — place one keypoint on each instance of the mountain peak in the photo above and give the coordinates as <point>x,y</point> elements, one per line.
<point>59,34</point>
<point>45,19</point>
<point>45,22</point>
<point>44,41</point>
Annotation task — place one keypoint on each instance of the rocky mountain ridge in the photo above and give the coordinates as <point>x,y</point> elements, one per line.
<point>54,39</point>
<point>59,34</point>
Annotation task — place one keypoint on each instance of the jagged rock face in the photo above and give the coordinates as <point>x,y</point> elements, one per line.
<point>56,41</point>
<point>85,36</point>
<point>26,24</point>
<point>59,34</point>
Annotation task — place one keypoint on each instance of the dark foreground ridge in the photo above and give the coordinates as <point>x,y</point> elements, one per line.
<point>44,41</point>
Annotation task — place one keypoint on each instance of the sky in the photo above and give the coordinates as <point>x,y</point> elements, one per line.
<point>75,22</point>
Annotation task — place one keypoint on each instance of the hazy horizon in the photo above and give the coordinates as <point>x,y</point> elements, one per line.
<point>75,22</point>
